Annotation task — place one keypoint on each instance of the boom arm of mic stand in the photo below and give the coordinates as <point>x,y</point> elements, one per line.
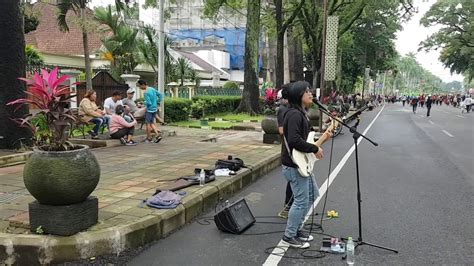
<point>352,129</point>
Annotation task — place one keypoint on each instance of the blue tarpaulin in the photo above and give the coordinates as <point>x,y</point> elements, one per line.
<point>234,39</point>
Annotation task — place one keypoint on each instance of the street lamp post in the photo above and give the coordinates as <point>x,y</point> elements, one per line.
<point>161,55</point>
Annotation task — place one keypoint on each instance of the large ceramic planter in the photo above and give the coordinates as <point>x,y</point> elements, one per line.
<point>270,125</point>
<point>61,178</point>
<point>313,115</point>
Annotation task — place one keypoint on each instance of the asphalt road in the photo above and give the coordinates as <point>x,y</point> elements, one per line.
<point>417,197</point>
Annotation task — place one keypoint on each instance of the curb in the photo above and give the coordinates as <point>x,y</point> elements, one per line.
<point>14,159</point>
<point>20,158</point>
<point>40,249</point>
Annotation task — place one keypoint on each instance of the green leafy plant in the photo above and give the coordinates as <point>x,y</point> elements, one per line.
<point>177,109</point>
<point>197,108</point>
<point>49,125</point>
<point>39,230</point>
<point>230,85</point>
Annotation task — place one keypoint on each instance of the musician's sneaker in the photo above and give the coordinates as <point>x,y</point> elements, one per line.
<point>284,213</point>
<point>304,236</point>
<point>295,242</point>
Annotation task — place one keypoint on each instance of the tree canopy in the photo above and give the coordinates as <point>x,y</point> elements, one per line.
<point>455,37</point>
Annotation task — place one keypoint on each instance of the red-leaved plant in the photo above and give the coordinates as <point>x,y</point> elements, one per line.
<point>49,125</point>
<point>270,101</point>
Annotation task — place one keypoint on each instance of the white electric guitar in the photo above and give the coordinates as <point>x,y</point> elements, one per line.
<point>306,161</point>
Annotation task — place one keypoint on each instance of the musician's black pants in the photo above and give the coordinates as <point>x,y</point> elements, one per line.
<point>289,196</point>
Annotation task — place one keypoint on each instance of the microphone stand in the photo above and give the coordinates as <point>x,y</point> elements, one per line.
<point>355,136</point>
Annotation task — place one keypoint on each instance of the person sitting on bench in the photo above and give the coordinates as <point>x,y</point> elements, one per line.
<point>131,107</point>
<point>90,113</point>
<point>120,128</point>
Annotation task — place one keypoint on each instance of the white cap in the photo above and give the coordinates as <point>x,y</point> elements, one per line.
<point>279,95</point>
<point>129,91</point>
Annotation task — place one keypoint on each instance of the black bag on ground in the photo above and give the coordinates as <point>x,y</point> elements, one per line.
<point>233,164</point>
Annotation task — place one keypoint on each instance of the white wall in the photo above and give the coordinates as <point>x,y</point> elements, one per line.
<point>237,75</point>
<point>219,59</point>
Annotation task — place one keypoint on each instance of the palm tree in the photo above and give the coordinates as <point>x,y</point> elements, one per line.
<point>149,51</point>
<point>12,65</point>
<point>120,48</point>
<point>183,70</point>
<point>79,8</point>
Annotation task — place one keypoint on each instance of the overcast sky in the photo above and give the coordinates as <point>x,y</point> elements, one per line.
<point>407,40</point>
<point>413,33</point>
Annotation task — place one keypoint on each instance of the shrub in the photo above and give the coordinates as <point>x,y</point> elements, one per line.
<point>177,109</point>
<point>214,105</point>
<point>230,85</point>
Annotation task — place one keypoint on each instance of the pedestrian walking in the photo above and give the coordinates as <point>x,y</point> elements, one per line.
<point>414,104</point>
<point>468,103</point>
<point>429,101</point>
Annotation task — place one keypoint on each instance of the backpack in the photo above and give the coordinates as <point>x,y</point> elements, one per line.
<point>233,164</point>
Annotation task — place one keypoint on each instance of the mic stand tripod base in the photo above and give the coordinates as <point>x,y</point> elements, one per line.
<point>361,243</point>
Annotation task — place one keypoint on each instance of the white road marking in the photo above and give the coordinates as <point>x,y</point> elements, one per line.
<point>431,122</point>
<point>280,249</point>
<point>460,116</point>
<point>447,133</point>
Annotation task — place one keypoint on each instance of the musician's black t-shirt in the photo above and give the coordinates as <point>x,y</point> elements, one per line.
<point>296,129</point>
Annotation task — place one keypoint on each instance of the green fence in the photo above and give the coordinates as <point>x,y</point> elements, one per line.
<point>209,91</point>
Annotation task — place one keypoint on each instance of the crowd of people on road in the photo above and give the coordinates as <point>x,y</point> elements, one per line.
<point>464,102</point>
<point>120,115</point>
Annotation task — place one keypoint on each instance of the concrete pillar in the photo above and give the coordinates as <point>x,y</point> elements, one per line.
<point>73,73</point>
<point>190,92</point>
<point>131,81</point>
<point>175,92</point>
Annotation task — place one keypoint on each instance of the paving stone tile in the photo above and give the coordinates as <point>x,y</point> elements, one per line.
<point>5,188</point>
<point>109,199</point>
<point>21,217</point>
<point>136,189</point>
<point>131,202</point>
<point>105,215</point>
<point>138,212</point>
<point>129,183</point>
<point>124,194</point>
<point>118,187</point>
<point>116,208</point>
<point>6,213</point>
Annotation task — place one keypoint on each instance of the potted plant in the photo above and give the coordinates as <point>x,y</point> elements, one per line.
<point>197,110</point>
<point>270,123</point>
<point>58,172</point>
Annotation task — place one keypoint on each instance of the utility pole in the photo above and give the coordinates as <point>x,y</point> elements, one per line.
<point>161,55</point>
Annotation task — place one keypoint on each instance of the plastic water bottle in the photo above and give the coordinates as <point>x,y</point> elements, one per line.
<point>202,178</point>
<point>350,251</point>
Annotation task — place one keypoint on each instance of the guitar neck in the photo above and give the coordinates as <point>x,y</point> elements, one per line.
<point>324,137</point>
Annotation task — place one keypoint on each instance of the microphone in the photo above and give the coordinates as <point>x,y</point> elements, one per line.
<point>320,105</point>
<point>362,109</point>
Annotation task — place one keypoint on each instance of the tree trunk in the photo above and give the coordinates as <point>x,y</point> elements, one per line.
<point>250,94</point>
<point>87,59</point>
<point>315,66</point>
<point>298,60</point>
<point>12,65</point>
<point>279,66</point>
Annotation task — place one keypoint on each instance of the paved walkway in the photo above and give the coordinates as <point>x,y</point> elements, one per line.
<point>131,174</point>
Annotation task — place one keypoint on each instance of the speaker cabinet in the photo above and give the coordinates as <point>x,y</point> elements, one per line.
<point>235,218</point>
